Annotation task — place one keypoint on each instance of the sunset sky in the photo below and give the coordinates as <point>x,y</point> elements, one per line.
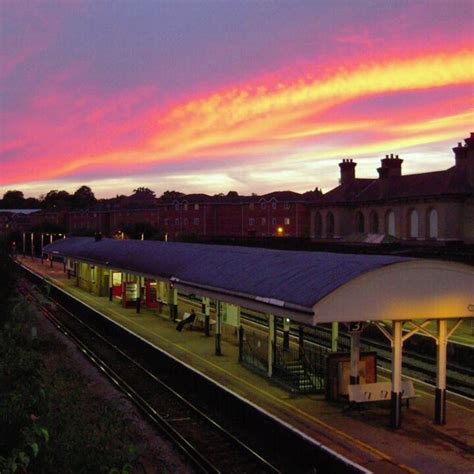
<point>211,96</point>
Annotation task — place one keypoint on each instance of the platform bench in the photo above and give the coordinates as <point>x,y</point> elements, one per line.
<point>380,391</point>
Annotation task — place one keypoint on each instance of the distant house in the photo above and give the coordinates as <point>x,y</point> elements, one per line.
<point>434,206</point>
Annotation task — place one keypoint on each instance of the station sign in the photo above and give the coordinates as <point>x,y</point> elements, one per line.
<point>356,326</point>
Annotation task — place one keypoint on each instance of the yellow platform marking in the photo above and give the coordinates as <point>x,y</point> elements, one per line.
<point>319,422</point>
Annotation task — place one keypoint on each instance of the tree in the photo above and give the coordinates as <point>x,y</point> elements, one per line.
<point>171,195</point>
<point>83,198</point>
<point>13,200</point>
<point>58,200</point>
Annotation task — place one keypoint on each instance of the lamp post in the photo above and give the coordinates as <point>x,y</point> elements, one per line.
<point>32,244</point>
<point>24,241</point>
<point>42,245</point>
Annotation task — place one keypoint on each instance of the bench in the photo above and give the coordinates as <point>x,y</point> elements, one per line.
<point>380,391</point>
<point>199,321</point>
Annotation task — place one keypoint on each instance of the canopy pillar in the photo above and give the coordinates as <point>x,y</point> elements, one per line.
<point>396,402</point>
<point>271,343</point>
<point>441,359</point>
<point>334,336</point>
<point>218,327</point>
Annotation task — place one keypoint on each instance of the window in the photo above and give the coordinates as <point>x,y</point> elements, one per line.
<point>185,221</point>
<point>318,225</point>
<point>413,224</point>
<point>274,221</point>
<point>251,206</point>
<point>360,222</point>
<point>176,221</point>
<point>374,223</point>
<point>263,205</point>
<point>330,224</point>
<point>286,205</point>
<point>274,205</point>
<point>264,220</point>
<point>176,207</point>
<point>185,206</point>
<point>196,207</point>
<point>196,221</point>
<point>433,224</point>
<point>286,221</point>
<point>390,223</point>
<point>251,221</point>
<point>166,221</point>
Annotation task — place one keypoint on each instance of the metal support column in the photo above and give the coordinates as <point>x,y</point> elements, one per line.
<point>271,344</point>
<point>355,357</point>
<point>206,310</point>
<point>111,283</point>
<point>218,327</point>
<point>173,302</point>
<point>42,245</point>
<point>334,336</point>
<point>396,402</point>
<point>441,359</point>
<point>32,240</point>
<point>24,243</point>
<point>286,334</point>
<point>139,294</point>
<point>301,342</point>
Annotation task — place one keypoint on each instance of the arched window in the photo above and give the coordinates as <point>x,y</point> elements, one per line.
<point>360,222</point>
<point>390,223</point>
<point>374,223</point>
<point>318,225</point>
<point>413,224</point>
<point>432,224</point>
<point>330,224</point>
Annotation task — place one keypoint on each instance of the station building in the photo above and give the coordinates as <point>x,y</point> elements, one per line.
<point>286,288</point>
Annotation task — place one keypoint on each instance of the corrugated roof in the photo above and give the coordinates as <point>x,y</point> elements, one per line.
<point>291,277</point>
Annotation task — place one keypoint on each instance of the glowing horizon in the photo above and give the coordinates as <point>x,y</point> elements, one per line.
<point>238,132</point>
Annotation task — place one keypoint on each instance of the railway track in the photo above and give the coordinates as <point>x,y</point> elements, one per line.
<point>213,430</point>
<point>208,446</point>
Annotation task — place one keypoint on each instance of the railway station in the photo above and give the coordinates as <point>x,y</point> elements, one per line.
<point>250,319</point>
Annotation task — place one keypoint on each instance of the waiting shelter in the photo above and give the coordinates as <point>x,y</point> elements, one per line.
<point>308,288</point>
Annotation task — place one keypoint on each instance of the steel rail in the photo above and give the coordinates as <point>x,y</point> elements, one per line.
<point>196,458</point>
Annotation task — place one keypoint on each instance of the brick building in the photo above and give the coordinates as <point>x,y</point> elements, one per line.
<point>434,206</point>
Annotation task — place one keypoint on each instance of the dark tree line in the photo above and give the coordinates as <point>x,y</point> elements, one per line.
<point>82,198</point>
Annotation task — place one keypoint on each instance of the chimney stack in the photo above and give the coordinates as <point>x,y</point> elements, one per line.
<point>347,171</point>
<point>464,157</point>
<point>391,167</point>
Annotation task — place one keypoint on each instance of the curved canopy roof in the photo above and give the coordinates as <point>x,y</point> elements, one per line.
<point>293,281</point>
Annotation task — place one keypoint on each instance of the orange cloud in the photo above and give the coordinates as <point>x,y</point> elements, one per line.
<point>263,116</point>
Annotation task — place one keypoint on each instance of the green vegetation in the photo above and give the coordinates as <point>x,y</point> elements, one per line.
<point>50,420</point>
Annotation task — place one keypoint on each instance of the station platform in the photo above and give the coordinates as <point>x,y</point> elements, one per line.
<point>363,436</point>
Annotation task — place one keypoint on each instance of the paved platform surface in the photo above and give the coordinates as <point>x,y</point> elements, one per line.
<point>363,437</point>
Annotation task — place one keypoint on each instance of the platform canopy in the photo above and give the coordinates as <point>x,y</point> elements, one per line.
<point>310,287</point>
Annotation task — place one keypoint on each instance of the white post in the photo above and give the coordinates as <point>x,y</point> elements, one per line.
<point>440,398</point>
<point>218,327</point>
<point>271,339</point>
<point>286,334</point>
<point>334,335</point>
<point>32,244</point>
<point>206,310</point>
<point>396,402</point>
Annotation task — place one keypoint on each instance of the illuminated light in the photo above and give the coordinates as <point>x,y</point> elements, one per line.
<point>280,230</point>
